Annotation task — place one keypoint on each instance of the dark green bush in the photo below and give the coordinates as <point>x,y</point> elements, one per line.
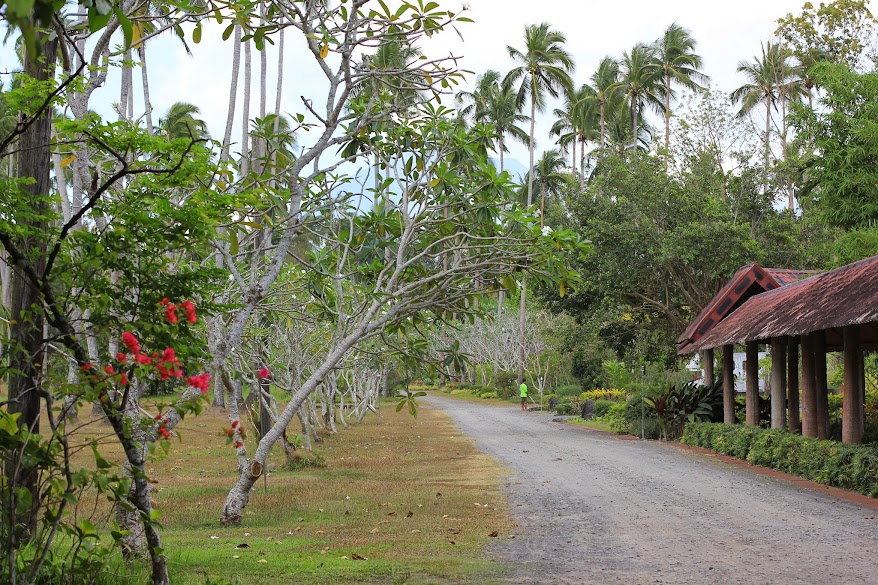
<point>601,407</point>
<point>852,467</point>
<point>568,390</point>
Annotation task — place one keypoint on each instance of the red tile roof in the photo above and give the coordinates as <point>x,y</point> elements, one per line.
<point>750,280</point>
<point>827,301</point>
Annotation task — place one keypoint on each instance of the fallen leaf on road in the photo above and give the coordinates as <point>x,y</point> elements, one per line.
<point>557,459</point>
<point>415,531</point>
<point>410,514</point>
<point>452,542</point>
<point>373,531</point>
<point>357,557</point>
<point>391,513</point>
<point>261,561</point>
<point>236,556</point>
<point>243,545</point>
<point>494,534</point>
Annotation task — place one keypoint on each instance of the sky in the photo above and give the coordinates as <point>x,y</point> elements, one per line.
<point>726,33</point>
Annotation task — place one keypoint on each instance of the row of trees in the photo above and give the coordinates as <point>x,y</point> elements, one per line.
<point>142,258</point>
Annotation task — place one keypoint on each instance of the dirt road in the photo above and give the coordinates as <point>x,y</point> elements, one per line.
<point>596,509</point>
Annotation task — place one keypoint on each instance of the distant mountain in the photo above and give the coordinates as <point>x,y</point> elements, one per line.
<point>512,166</point>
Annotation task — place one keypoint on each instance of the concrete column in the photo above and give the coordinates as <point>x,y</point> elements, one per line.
<point>809,393</point>
<point>751,378</point>
<point>778,383</point>
<point>821,391</point>
<point>729,384</point>
<point>852,422</point>
<point>794,421</point>
<point>707,360</point>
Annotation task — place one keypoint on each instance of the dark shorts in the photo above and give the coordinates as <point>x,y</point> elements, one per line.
<point>524,399</point>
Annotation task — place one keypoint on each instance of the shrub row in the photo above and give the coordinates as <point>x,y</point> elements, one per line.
<point>613,394</point>
<point>851,467</point>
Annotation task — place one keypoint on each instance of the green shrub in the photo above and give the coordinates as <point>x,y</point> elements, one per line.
<point>601,407</point>
<point>615,418</point>
<point>486,395</point>
<point>569,406</point>
<point>852,467</point>
<point>460,392</point>
<point>505,392</point>
<point>568,390</point>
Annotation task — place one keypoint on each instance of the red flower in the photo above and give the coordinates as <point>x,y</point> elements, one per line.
<point>234,424</point>
<point>201,381</point>
<point>121,357</point>
<point>164,432</point>
<point>86,366</point>
<point>190,311</point>
<point>230,432</point>
<point>110,370</point>
<point>123,380</point>
<point>264,373</point>
<point>142,358</point>
<point>171,313</point>
<point>238,444</point>
<point>159,416</point>
<point>131,342</point>
<point>165,301</point>
<point>170,356</point>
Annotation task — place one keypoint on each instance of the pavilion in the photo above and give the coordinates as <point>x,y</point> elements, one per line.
<point>825,312</point>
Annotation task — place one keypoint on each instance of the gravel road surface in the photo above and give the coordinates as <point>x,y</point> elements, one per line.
<point>594,508</point>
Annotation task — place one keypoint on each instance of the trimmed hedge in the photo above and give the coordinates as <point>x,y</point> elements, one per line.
<point>851,467</point>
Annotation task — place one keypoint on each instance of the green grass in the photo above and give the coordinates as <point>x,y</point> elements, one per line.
<point>397,490</point>
<point>592,424</point>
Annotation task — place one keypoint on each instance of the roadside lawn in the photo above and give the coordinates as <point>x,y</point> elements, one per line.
<point>396,499</point>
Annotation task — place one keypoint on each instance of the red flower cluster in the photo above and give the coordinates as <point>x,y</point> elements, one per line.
<point>164,432</point>
<point>131,342</point>
<point>238,444</point>
<point>190,311</point>
<point>264,373</point>
<point>201,382</point>
<point>166,365</point>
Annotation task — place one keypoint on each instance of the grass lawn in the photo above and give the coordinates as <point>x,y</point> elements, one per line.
<point>592,424</point>
<point>410,496</point>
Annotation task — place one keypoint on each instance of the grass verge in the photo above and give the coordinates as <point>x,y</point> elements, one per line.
<point>399,500</point>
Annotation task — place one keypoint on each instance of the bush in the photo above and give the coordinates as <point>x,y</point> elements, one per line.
<point>505,392</point>
<point>486,395</point>
<point>615,418</point>
<point>460,392</point>
<point>601,407</point>
<point>613,394</point>
<point>568,390</point>
<point>852,467</point>
<point>569,406</point>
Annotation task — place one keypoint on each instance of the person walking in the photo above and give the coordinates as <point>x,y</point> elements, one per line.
<point>522,390</point>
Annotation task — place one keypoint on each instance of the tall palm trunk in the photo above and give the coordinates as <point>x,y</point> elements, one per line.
<point>530,191</point>
<point>603,123</point>
<point>573,155</point>
<point>147,105</point>
<point>634,120</point>
<point>767,148</point>
<point>667,117</point>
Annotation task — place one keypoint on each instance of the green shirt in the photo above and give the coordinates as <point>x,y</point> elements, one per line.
<point>523,390</point>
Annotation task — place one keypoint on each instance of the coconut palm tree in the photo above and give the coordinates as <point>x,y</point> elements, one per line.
<point>577,123</point>
<point>770,81</point>
<point>640,82</point>
<point>551,175</point>
<point>605,83</point>
<point>472,105</point>
<point>495,103</point>
<point>180,122</point>
<point>503,114</point>
<point>680,65</point>
<point>544,68</point>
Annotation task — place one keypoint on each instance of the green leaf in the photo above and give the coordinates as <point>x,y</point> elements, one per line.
<point>228,32</point>
<point>125,23</point>
<point>234,245</point>
<point>196,34</point>
<point>23,501</point>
